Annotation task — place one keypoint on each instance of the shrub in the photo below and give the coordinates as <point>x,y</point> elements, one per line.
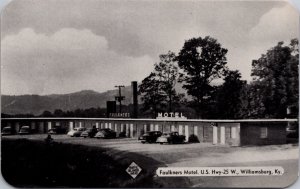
<point>122,134</point>
<point>193,139</point>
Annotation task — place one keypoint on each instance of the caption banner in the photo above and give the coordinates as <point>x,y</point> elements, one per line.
<point>218,171</point>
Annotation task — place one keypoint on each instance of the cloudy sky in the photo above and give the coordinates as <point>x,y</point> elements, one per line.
<point>63,46</point>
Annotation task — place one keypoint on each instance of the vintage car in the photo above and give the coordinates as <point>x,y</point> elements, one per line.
<point>57,130</point>
<point>76,132</point>
<point>7,131</point>
<point>292,132</point>
<point>150,136</point>
<point>106,133</point>
<point>24,130</point>
<point>171,138</point>
<point>91,132</point>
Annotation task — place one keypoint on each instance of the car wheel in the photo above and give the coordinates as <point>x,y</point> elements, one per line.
<point>143,142</point>
<point>161,143</point>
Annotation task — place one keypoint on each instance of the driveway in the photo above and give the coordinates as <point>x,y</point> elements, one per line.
<point>205,154</point>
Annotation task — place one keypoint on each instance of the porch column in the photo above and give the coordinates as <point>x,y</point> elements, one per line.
<point>186,131</point>
<point>233,132</point>
<point>127,130</point>
<point>215,134</point>
<point>151,127</point>
<point>196,130</point>
<point>71,125</point>
<point>17,127</point>
<point>222,133</point>
<point>122,127</point>
<point>180,130</point>
<point>131,130</point>
<point>116,127</point>
<point>49,125</point>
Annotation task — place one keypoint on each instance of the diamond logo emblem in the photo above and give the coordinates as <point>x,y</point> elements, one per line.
<point>133,170</point>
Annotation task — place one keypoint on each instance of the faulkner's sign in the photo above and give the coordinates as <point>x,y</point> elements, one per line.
<point>170,115</point>
<point>119,115</point>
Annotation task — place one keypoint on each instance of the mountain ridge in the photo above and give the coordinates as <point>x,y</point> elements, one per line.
<point>37,104</point>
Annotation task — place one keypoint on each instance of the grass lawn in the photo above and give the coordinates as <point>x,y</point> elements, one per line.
<point>27,163</point>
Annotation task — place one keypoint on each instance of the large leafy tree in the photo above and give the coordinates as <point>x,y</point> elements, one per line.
<point>253,99</point>
<point>167,73</point>
<point>229,103</point>
<point>158,89</point>
<point>202,60</point>
<point>153,97</point>
<point>276,78</point>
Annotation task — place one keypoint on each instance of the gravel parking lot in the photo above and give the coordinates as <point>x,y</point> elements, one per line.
<point>202,154</point>
<point>182,154</point>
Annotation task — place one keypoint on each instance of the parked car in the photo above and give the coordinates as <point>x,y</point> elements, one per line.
<point>57,130</point>
<point>76,132</point>
<point>24,130</point>
<point>89,133</point>
<point>292,131</point>
<point>106,133</point>
<point>171,138</point>
<point>150,136</point>
<point>7,131</point>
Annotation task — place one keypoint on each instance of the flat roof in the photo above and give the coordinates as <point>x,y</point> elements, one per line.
<point>156,120</point>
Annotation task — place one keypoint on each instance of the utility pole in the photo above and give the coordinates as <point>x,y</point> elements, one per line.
<point>120,97</point>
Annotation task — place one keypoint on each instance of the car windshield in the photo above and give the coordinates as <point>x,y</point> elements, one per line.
<point>24,128</point>
<point>81,129</point>
<point>6,129</point>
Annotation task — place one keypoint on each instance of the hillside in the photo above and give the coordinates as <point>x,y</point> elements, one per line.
<point>36,104</point>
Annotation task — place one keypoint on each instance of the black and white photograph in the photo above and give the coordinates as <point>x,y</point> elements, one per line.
<point>149,93</point>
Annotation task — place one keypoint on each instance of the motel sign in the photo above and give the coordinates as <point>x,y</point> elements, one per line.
<point>170,115</point>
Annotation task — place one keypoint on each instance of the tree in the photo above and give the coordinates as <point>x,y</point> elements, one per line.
<point>202,60</point>
<point>46,114</point>
<point>152,96</point>
<point>229,98</point>
<point>58,113</point>
<point>275,74</point>
<point>158,89</point>
<point>166,71</point>
<point>253,96</point>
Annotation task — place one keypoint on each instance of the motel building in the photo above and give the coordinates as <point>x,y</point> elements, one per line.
<point>219,132</point>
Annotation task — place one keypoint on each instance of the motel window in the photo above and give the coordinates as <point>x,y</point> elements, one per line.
<point>263,132</point>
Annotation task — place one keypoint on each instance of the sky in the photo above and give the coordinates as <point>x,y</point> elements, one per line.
<point>64,46</point>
